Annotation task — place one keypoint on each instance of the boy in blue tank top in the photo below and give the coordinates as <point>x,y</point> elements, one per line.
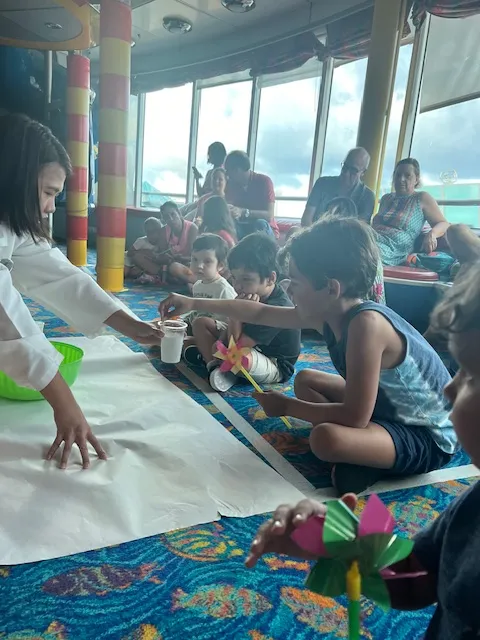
<point>385,414</point>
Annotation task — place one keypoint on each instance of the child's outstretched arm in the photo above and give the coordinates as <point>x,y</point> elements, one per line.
<point>245,311</point>
<point>365,347</point>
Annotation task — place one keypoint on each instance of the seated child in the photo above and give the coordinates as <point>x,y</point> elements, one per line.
<point>209,257</point>
<point>274,351</point>
<point>446,551</point>
<point>143,248</point>
<point>217,219</point>
<point>385,414</point>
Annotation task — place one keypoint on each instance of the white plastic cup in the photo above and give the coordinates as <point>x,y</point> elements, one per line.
<point>172,341</point>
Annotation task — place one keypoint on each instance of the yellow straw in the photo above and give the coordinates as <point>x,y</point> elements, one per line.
<point>260,390</point>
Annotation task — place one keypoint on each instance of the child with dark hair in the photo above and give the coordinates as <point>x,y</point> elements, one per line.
<point>385,414</point>
<point>217,219</point>
<point>443,566</point>
<point>209,259</point>
<point>273,351</point>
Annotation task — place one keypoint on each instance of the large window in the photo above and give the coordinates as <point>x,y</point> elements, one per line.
<point>445,143</point>
<point>224,117</point>
<point>344,114</point>
<point>285,138</point>
<point>166,142</point>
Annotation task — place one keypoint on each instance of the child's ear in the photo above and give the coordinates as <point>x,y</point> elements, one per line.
<point>273,278</point>
<point>334,288</point>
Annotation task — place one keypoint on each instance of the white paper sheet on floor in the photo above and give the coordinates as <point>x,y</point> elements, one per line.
<point>171,464</point>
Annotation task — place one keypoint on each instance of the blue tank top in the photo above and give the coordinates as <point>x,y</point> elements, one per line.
<point>412,392</point>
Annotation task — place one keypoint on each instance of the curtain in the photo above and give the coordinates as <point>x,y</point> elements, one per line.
<point>444,9</point>
<point>284,55</point>
<point>349,37</point>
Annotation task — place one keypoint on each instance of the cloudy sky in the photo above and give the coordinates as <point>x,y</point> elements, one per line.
<point>445,140</point>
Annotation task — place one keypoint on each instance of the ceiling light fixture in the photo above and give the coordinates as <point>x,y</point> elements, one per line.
<point>176,25</point>
<point>239,6</point>
<point>53,25</point>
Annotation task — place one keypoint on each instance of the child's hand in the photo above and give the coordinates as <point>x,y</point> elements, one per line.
<point>274,404</point>
<point>254,297</point>
<point>175,305</point>
<point>274,536</point>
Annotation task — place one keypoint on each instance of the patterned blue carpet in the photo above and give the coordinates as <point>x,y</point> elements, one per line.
<point>192,584</point>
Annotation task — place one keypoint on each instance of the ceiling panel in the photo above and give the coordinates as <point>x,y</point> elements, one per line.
<point>150,17</point>
<point>21,5</point>
<point>34,23</point>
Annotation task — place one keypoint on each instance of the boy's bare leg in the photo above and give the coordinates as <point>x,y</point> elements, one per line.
<point>182,273</point>
<point>316,386</point>
<point>206,335</point>
<point>368,447</point>
<point>464,244</point>
<point>146,264</point>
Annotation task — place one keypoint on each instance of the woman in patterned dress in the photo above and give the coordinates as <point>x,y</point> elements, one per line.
<point>402,215</point>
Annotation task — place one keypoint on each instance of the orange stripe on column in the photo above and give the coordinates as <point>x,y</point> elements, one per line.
<point>78,128</point>
<point>115,20</point>
<point>78,182</point>
<point>113,159</point>
<point>115,92</point>
<point>77,228</point>
<point>78,72</point>
<point>111,223</point>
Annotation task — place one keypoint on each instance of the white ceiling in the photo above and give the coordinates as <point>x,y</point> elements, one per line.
<point>216,31</point>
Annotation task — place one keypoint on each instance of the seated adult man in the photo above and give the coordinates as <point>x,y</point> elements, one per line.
<point>252,196</point>
<point>348,184</point>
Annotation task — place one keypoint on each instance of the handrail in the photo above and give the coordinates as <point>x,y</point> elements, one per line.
<point>459,203</point>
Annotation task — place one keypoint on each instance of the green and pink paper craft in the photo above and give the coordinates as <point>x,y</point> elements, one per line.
<point>354,554</point>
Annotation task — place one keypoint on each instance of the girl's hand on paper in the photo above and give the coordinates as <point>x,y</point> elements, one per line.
<point>72,428</point>
<point>274,536</point>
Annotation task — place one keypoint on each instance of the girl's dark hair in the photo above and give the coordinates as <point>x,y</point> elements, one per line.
<point>459,309</point>
<point>26,146</point>
<point>342,249</point>
<point>170,204</point>
<point>217,153</point>
<point>415,164</point>
<point>216,217</point>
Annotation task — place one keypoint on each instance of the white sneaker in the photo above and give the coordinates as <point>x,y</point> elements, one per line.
<point>222,380</point>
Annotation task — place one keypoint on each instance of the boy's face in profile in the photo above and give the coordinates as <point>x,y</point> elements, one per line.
<point>249,283</point>
<point>311,303</point>
<point>205,265</point>
<point>464,391</point>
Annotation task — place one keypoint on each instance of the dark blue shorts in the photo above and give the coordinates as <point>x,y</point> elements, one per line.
<point>417,451</point>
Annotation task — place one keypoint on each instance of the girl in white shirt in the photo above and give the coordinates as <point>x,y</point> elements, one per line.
<point>33,171</point>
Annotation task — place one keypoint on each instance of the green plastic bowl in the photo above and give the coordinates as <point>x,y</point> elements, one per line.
<point>70,368</point>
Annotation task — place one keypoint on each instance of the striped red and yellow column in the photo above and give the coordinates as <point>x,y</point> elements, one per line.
<point>78,127</point>
<point>115,46</point>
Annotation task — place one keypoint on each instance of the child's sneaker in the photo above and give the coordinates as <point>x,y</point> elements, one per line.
<point>222,380</point>
<point>193,357</point>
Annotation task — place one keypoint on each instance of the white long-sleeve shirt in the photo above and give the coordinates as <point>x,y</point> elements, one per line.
<point>45,275</point>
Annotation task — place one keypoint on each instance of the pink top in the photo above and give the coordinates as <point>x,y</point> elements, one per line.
<point>227,237</point>
<point>179,245</point>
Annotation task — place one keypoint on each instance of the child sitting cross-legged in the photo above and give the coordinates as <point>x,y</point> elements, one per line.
<point>144,249</point>
<point>274,351</point>
<point>443,565</point>
<point>209,257</point>
<point>385,414</point>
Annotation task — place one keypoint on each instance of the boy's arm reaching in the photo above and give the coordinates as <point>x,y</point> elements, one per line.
<point>244,311</point>
<point>366,344</point>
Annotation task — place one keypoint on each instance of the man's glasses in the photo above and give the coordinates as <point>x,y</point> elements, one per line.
<point>348,168</point>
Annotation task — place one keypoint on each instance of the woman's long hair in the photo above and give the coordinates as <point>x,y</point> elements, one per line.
<point>25,147</point>
<point>216,217</point>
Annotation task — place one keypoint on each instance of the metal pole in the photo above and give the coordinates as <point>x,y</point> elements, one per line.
<point>253,125</point>
<point>322,120</point>
<point>192,147</point>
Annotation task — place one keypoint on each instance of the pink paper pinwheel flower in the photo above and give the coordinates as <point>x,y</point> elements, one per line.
<point>234,356</point>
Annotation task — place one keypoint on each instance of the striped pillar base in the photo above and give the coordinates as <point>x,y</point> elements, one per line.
<point>115,40</point>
